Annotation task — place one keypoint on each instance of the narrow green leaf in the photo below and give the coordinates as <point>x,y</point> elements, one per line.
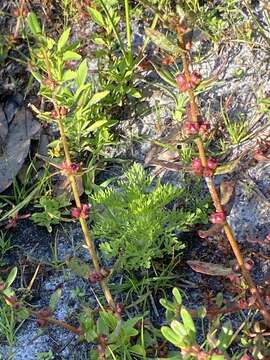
<point>177,295</point>
<point>227,168</point>
<point>33,24</point>
<point>55,297</point>
<point>188,322</point>
<point>97,125</point>
<point>11,277</point>
<point>162,41</point>
<point>98,97</point>
<point>179,328</point>
<point>71,55</point>
<point>63,39</point>
<point>96,16</point>
<point>172,337</point>
<point>82,73</point>
<point>166,76</point>
<point>225,336</point>
<point>69,75</point>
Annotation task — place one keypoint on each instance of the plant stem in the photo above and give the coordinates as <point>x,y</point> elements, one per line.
<point>85,229</point>
<point>128,29</point>
<point>213,191</point>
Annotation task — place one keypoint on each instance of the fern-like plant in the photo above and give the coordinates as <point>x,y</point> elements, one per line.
<point>135,221</point>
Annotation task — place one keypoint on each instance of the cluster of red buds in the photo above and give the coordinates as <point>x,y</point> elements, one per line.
<point>51,84</point>
<point>62,112</point>
<point>119,309</point>
<point>42,316</point>
<point>97,276</point>
<point>81,212</point>
<point>218,217</point>
<point>200,170</point>
<point>184,85</point>
<point>69,169</point>
<point>192,128</point>
<point>20,12</point>
<point>12,301</point>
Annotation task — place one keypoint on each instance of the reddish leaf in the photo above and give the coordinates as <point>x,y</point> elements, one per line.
<point>209,268</point>
<point>215,229</point>
<point>226,191</point>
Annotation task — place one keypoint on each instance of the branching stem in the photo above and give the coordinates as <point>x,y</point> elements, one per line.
<point>213,191</point>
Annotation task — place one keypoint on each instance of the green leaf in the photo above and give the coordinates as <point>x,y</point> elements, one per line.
<point>166,76</point>
<point>33,24</point>
<point>82,73</point>
<point>134,93</point>
<point>55,297</point>
<point>78,267</point>
<point>63,39</point>
<point>71,55</point>
<point>97,124</point>
<point>225,336</point>
<point>98,97</point>
<point>167,305</point>
<point>69,75</point>
<point>138,349</point>
<point>179,328</point>
<point>162,41</point>
<point>218,357</point>
<point>188,322</point>
<point>177,295</point>
<point>96,16</point>
<point>172,337</point>
<point>11,277</point>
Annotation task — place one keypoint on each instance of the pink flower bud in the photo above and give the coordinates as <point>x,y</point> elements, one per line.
<point>218,217</point>
<point>76,212</point>
<point>211,163</point>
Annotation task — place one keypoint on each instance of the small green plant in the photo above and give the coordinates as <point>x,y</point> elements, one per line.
<point>136,220</point>
<point>5,247</point>
<point>182,333</point>
<point>53,210</point>
<point>117,338</point>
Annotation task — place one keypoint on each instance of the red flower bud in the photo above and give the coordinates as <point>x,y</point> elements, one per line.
<point>218,217</point>
<point>25,12</point>
<point>180,79</point>
<point>54,114</point>
<point>63,111</point>
<point>191,128</point>
<point>249,264</point>
<point>85,211</point>
<point>211,163</point>
<point>196,164</point>
<point>243,304</point>
<point>72,168</point>
<point>103,339</point>
<point>204,129</point>
<point>119,308</point>
<point>76,212</point>
<point>267,238</point>
<point>95,277</point>
<point>16,12</point>
<point>195,78</point>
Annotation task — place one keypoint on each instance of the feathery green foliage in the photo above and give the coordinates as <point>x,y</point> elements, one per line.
<point>136,220</point>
